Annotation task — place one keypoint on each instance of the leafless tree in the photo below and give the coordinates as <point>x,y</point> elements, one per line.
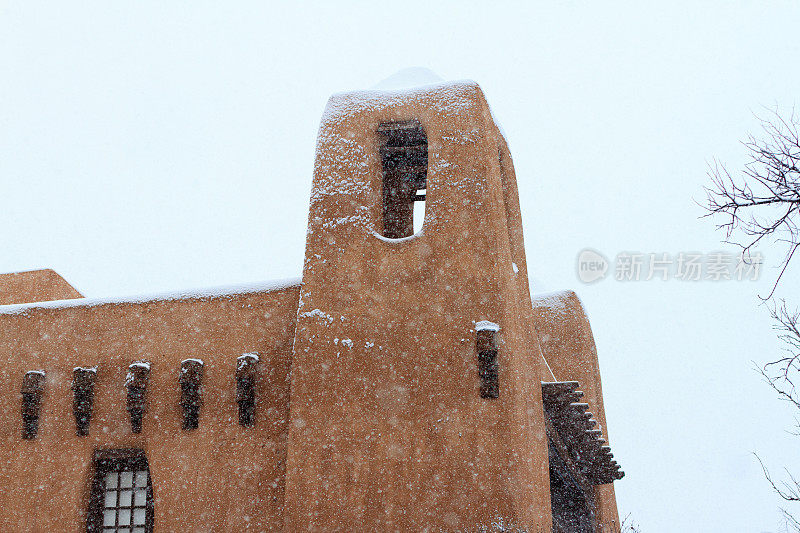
<point>762,201</point>
<point>759,204</point>
<point>781,374</point>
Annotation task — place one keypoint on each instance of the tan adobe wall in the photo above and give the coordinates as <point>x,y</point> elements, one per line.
<point>220,477</point>
<point>34,286</point>
<point>369,414</point>
<point>568,344</point>
<point>388,431</point>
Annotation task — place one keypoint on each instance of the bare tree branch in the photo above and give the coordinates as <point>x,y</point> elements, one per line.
<point>788,491</point>
<point>781,374</point>
<point>791,521</point>
<point>761,204</point>
<point>763,200</point>
<point>628,526</point>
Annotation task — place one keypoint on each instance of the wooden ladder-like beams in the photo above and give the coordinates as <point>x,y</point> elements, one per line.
<point>575,426</point>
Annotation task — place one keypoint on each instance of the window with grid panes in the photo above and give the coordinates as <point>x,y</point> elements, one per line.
<point>122,493</point>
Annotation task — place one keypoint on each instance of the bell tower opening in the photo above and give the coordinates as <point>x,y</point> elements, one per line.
<point>404,159</point>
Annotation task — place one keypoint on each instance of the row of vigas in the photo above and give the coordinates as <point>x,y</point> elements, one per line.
<point>190,378</point>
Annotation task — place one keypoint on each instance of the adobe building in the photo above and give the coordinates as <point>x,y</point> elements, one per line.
<point>407,382</point>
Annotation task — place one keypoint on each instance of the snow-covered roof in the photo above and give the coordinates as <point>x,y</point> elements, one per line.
<point>400,89</point>
<point>208,293</point>
<point>558,302</point>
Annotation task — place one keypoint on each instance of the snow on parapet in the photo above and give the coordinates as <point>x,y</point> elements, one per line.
<point>455,96</point>
<point>202,294</point>
<point>417,78</point>
<point>558,302</point>
<point>92,369</point>
<point>344,170</point>
<point>485,325</point>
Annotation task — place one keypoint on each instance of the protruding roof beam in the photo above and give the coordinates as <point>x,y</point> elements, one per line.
<point>576,427</point>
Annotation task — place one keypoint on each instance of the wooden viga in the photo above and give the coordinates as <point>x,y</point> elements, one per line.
<point>575,430</point>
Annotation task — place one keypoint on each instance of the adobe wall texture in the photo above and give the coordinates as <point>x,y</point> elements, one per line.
<point>34,286</point>
<point>566,338</point>
<point>219,477</point>
<point>368,414</point>
<point>387,428</point>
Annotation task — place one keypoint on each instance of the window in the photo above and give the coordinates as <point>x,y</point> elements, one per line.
<point>32,389</point>
<point>246,388</point>
<point>486,345</point>
<point>136,385</point>
<point>83,396</point>
<point>404,158</point>
<point>122,494</point>
<point>191,396</point>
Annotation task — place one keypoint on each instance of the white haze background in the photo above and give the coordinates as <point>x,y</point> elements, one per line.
<point>153,146</point>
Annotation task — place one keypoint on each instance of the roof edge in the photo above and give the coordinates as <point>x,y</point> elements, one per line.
<point>207,293</point>
<point>35,285</point>
<point>455,94</point>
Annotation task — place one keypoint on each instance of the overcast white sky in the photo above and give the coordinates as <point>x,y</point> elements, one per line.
<point>149,147</point>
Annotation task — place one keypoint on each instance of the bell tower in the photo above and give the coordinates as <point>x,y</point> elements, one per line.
<point>390,424</point>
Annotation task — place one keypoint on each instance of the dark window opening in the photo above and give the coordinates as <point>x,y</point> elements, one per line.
<point>83,397</point>
<point>571,507</point>
<point>122,493</point>
<point>487,363</point>
<point>246,388</point>
<point>191,398</point>
<point>404,158</point>
<point>136,384</point>
<point>32,389</point>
